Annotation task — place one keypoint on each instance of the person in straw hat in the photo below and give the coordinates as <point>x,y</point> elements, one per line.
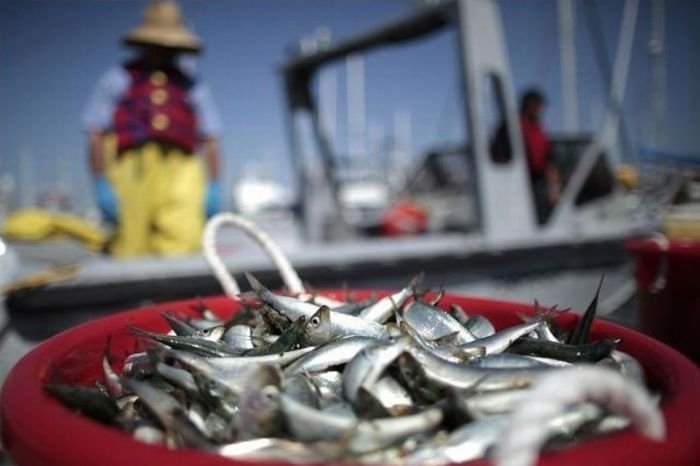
<point>146,120</point>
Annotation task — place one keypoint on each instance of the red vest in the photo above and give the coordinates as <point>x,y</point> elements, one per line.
<point>156,107</point>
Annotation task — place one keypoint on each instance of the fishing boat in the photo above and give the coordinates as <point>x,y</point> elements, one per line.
<point>496,232</point>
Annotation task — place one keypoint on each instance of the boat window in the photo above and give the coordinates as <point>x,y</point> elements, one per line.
<point>388,107</point>
<point>494,117</point>
<point>388,112</point>
<point>566,154</point>
<point>600,183</point>
<point>444,170</point>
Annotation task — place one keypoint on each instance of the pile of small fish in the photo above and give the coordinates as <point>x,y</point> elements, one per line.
<point>396,380</point>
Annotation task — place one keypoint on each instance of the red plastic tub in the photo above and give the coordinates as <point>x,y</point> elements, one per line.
<point>37,430</point>
<point>668,289</point>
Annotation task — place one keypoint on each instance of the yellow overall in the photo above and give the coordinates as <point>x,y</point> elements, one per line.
<point>161,200</point>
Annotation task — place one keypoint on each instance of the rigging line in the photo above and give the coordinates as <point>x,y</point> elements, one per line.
<point>546,55</point>
<point>442,124</point>
<point>600,51</point>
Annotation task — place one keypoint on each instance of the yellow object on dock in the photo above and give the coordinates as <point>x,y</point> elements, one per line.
<point>42,278</point>
<point>42,225</point>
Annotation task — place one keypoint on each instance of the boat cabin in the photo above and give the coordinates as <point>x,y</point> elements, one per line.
<point>493,198</point>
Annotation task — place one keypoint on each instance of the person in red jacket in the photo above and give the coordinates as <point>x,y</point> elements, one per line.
<point>543,173</point>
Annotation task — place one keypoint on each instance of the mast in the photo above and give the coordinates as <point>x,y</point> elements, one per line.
<point>355,66</point>
<point>567,51</point>
<point>620,70</point>
<point>401,139</point>
<point>377,154</point>
<point>658,71</point>
<point>329,101</point>
<point>328,89</point>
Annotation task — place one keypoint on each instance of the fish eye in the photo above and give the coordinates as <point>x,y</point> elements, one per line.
<point>206,331</point>
<point>315,321</point>
<point>270,393</point>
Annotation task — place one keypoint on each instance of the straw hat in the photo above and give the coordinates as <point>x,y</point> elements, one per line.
<point>162,25</point>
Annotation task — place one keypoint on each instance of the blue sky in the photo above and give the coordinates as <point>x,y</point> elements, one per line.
<point>53,51</point>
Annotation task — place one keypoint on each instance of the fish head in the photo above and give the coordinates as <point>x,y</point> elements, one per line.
<point>317,329</point>
<point>260,412</point>
<point>213,333</point>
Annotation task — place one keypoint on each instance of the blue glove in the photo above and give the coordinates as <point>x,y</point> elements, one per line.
<point>106,200</point>
<point>213,201</point>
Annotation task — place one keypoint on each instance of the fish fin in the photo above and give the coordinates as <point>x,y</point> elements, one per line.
<point>415,281</point>
<point>139,332</point>
<point>438,297</point>
<point>457,309</point>
<point>408,330</point>
<point>446,339</point>
<point>398,312</point>
<point>543,313</point>
<point>580,333</point>
<point>172,320</point>
<point>171,314</point>
<point>468,355</point>
<point>250,296</point>
<point>419,293</point>
<point>255,284</point>
<point>142,336</point>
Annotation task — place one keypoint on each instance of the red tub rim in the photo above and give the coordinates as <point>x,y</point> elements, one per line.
<point>676,247</point>
<point>35,426</point>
